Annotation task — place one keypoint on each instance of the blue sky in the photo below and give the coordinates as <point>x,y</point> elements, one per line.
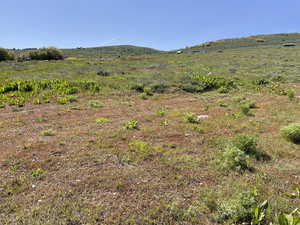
<point>158,24</point>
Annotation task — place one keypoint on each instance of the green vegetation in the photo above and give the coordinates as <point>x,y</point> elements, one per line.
<point>6,55</point>
<point>48,132</point>
<point>155,138</point>
<point>46,54</point>
<point>132,125</point>
<point>110,51</point>
<point>233,159</point>
<point>292,132</point>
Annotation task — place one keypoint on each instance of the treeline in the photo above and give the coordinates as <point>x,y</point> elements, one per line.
<point>50,53</point>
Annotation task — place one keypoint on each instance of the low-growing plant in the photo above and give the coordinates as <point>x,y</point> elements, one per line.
<point>289,219</point>
<point>259,213</point>
<point>143,96</point>
<point>95,104</point>
<point>161,112</point>
<point>245,109</point>
<point>164,123</point>
<point>239,209</point>
<point>191,118</point>
<point>291,94</point>
<point>292,133</point>
<point>48,132</point>
<point>102,120</point>
<point>37,173</point>
<point>65,100</point>
<point>132,125</point>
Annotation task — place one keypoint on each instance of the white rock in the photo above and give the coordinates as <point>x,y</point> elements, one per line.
<point>202,117</point>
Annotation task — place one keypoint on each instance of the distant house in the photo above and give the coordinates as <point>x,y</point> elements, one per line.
<point>289,45</point>
<point>179,52</point>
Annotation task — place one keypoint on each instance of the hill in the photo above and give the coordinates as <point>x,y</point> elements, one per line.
<point>110,51</point>
<point>271,40</point>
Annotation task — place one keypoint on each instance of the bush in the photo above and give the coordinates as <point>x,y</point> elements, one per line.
<point>233,159</point>
<point>46,54</point>
<point>292,133</point>
<point>6,55</point>
<point>239,209</point>
<point>201,83</point>
<point>246,143</point>
<point>245,109</point>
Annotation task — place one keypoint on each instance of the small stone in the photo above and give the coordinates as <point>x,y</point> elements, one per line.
<point>202,117</point>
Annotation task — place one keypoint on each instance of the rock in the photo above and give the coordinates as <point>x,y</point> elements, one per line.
<point>202,117</point>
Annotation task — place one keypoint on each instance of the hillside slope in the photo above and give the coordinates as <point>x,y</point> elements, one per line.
<point>271,40</point>
<point>110,51</point>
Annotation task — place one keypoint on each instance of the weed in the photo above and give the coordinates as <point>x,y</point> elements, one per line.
<point>102,120</point>
<point>48,132</point>
<point>291,94</point>
<point>37,173</point>
<point>289,219</point>
<point>246,143</point>
<point>164,123</point>
<point>239,209</point>
<point>143,96</point>
<point>245,109</point>
<point>233,159</point>
<point>191,118</point>
<point>131,125</point>
<point>292,133</point>
<point>95,104</point>
<point>161,112</point>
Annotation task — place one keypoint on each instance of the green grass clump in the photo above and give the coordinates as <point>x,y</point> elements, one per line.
<point>95,104</point>
<point>37,173</point>
<point>67,99</point>
<point>191,118</point>
<point>245,109</point>
<point>48,132</point>
<point>132,125</point>
<point>233,159</point>
<point>292,133</point>
<point>102,120</point>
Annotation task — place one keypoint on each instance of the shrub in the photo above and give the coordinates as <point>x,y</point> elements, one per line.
<point>202,83</point>
<point>245,109</point>
<point>292,133</point>
<point>239,209</point>
<point>233,159</point>
<point>291,94</point>
<point>246,143</point>
<point>46,54</point>
<point>6,55</point>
